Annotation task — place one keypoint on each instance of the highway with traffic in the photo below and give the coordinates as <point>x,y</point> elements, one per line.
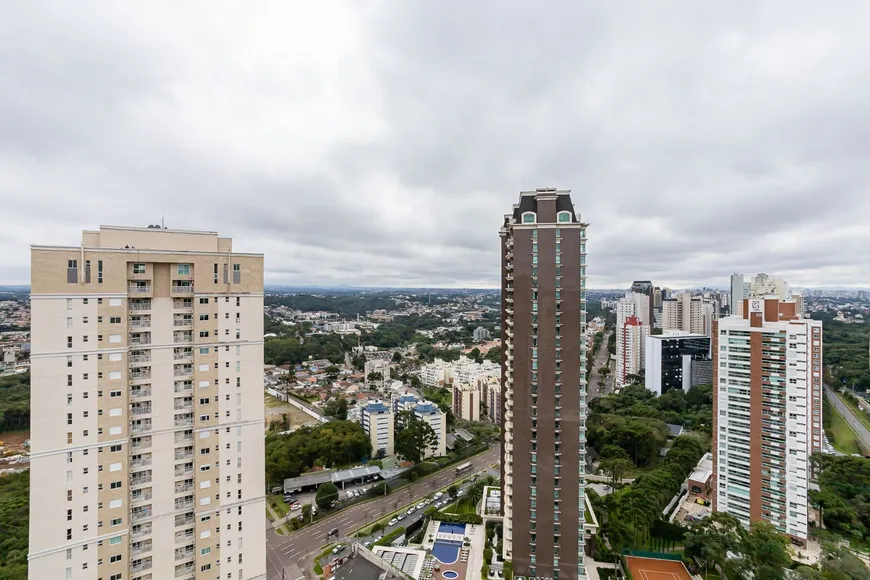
<point>286,556</point>
<point>861,432</point>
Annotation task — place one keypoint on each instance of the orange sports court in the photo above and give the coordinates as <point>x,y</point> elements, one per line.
<point>653,569</point>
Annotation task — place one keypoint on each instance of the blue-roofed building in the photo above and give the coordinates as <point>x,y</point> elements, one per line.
<point>377,422</point>
<point>429,412</point>
<point>404,402</point>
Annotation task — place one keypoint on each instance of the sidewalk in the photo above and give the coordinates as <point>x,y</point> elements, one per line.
<point>277,521</point>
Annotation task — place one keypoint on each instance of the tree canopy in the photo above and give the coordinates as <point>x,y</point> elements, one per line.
<point>331,444</point>
<point>413,438</point>
<point>14,523</point>
<point>15,402</point>
<point>844,494</point>
<point>326,494</point>
<point>846,353</point>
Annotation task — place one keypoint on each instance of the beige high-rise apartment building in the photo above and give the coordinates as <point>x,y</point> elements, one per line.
<point>147,408</point>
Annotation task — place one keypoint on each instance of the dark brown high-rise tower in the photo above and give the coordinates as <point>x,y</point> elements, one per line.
<point>544,386</point>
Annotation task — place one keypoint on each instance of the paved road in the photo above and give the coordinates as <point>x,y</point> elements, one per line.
<point>285,553</point>
<point>850,418</point>
<point>601,357</point>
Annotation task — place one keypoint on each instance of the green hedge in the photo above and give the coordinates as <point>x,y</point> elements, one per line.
<point>385,541</point>
<point>458,518</point>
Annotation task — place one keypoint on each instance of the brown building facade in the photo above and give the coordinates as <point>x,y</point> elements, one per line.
<point>544,386</point>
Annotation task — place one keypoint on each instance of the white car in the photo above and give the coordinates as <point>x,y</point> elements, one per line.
<point>393,522</point>
<point>421,505</point>
<point>439,495</point>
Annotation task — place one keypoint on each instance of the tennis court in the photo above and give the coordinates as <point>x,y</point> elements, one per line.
<point>652,569</point>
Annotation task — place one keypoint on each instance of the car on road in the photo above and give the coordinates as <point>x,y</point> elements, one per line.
<point>393,522</point>
<point>411,510</point>
<point>460,492</point>
<point>367,544</point>
<point>379,538</point>
<point>439,495</point>
<point>338,548</point>
<point>295,507</point>
<point>401,517</point>
<point>421,505</point>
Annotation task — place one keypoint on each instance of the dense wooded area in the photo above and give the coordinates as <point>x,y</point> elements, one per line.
<point>15,402</point>
<point>332,444</point>
<point>846,353</point>
<point>14,518</point>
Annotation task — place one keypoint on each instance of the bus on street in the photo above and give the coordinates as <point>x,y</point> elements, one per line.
<point>463,469</point>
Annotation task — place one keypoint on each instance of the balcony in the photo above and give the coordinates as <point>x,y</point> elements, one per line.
<point>141,426</point>
<point>145,495</point>
<point>184,486</point>
<point>141,530</point>
<point>186,453</point>
<point>185,570</point>
<point>184,553</point>
<point>140,393</point>
<point>139,374</point>
<point>186,421</point>
<point>184,536</point>
<point>183,405</point>
<point>140,443</point>
<point>182,304</point>
<point>182,354</point>
<point>184,503</point>
<point>183,322</point>
<point>182,337</point>
<point>183,437</point>
<point>182,289</point>
<point>140,358</point>
<point>182,470</point>
<point>510,278</point>
<point>183,386</point>
<point>141,461</point>
<point>139,289</point>
<point>183,520</point>
<point>140,548</point>
<point>140,322</point>
<point>141,565</point>
<point>140,409</point>
<point>140,478</point>
<point>139,514</point>
<point>183,371</point>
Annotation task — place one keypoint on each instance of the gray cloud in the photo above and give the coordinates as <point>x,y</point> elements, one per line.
<point>380,143</point>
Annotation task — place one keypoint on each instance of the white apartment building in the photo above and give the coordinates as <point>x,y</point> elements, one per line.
<point>630,343</point>
<point>437,373</point>
<point>466,401</point>
<point>377,421</point>
<point>147,415</point>
<point>430,413</point>
<point>490,395</point>
<point>767,413</point>
<point>377,366</point>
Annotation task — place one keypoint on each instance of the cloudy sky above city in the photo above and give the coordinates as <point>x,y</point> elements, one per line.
<point>380,143</point>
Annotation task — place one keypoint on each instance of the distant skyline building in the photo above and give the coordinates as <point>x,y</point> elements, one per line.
<point>631,342</point>
<point>543,248</point>
<point>767,413</point>
<point>687,313</point>
<point>480,334</point>
<point>677,360</point>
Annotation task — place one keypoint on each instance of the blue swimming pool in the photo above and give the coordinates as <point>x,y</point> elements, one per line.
<point>450,574</point>
<point>446,528</point>
<point>445,551</point>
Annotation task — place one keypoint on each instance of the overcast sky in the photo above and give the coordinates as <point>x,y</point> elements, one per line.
<point>380,143</point>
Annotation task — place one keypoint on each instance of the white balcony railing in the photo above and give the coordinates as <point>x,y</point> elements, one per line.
<point>139,289</point>
<point>140,393</point>
<point>136,358</point>
<point>184,372</point>
<point>183,322</point>
<point>135,375</point>
<point>182,338</point>
<point>143,410</point>
<point>144,305</point>
<point>182,289</point>
<point>140,340</point>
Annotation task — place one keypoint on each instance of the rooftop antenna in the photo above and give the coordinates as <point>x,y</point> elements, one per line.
<point>162,222</point>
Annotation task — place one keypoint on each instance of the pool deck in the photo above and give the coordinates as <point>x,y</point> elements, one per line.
<point>470,559</point>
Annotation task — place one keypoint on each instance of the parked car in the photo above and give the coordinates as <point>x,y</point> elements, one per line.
<point>401,517</point>
<point>393,522</point>
<point>439,495</point>
<point>338,548</point>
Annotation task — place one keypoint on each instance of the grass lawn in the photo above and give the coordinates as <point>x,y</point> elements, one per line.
<point>862,416</point>
<point>839,433</point>
<point>278,500</point>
